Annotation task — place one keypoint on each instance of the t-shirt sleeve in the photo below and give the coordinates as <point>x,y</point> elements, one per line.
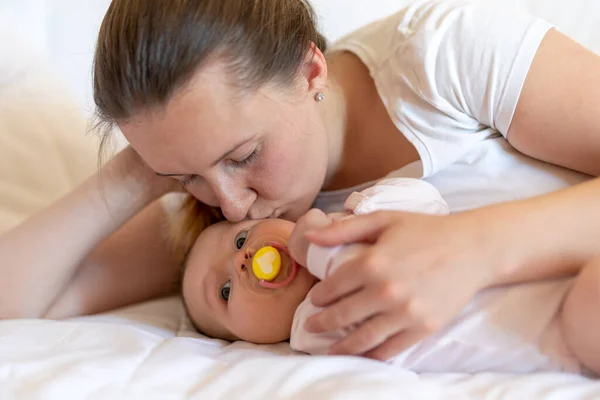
<point>472,57</point>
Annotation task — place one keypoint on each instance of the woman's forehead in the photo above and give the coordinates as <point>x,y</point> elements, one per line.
<point>200,124</point>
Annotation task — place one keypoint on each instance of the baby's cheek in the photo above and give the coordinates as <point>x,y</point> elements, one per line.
<point>300,288</point>
<point>267,317</point>
<point>262,320</point>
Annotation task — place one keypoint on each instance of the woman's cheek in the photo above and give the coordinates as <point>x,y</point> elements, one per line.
<point>277,174</point>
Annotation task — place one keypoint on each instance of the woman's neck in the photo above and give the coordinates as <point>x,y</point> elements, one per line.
<point>364,143</point>
<point>335,116</point>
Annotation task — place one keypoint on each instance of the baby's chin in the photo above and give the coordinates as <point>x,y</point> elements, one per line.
<point>289,300</point>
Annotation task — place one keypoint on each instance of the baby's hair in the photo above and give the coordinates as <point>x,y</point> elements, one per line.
<point>191,219</point>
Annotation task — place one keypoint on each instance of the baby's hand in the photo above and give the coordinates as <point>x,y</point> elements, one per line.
<point>297,243</point>
<point>338,216</point>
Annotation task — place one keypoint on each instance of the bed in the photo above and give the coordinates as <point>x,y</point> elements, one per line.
<point>150,350</point>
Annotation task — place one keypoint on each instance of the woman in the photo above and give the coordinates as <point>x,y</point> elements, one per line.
<point>236,101</point>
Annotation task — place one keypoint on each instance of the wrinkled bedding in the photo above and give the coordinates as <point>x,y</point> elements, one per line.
<point>150,351</point>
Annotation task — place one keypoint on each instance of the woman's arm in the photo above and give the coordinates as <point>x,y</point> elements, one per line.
<point>422,270</point>
<point>557,118</point>
<point>54,259</point>
<point>542,237</point>
<point>134,264</point>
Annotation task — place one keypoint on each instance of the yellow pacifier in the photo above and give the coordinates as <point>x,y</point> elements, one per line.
<point>266,263</point>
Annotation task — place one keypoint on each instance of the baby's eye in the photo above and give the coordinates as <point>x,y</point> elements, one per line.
<point>240,239</point>
<point>226,291</point>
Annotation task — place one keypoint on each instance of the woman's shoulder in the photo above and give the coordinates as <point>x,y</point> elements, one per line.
<point>407,34</point>
<point>449,71</point>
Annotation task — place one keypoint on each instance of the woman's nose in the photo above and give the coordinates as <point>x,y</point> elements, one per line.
<point>235,204</point>
<point>227,192</point>
<point>204,194</point>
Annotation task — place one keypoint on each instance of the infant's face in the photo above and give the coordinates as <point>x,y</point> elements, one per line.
<point>225,298</point>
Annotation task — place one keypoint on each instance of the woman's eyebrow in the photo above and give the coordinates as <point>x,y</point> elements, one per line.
<point>233,149</point>
<point>170,175</point>
<point>223,156</point>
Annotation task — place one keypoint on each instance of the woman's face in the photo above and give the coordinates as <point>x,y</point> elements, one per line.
<point>255,154</point>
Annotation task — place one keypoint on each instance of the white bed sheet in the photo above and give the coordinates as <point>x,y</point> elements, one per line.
<point>149,351</point>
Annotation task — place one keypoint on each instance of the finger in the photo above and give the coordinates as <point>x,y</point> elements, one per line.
<point>362,228</point>
<point>352,309</point>
<point>337,216</point>
<point>297,246</point>
<point>314,219</point>
<point>344,280</point>
<point>396,344</point>
<point>369,335</point>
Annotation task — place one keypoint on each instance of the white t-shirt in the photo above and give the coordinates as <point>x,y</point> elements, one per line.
<point>450,73</point>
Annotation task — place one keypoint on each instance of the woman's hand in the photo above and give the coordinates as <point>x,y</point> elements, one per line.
<point>417,275</point>
<point>128,163</point>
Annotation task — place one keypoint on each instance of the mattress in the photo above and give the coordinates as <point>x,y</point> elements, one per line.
<point>150,351</point>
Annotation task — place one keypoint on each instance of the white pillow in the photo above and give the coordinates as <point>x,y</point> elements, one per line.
<point>44,149</point>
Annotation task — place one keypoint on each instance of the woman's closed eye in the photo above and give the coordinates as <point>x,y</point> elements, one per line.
<point>189,180</point>
<point>246,161</point>
<point>249,159</point>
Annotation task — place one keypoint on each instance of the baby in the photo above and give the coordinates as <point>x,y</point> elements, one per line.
<point>240,283</point>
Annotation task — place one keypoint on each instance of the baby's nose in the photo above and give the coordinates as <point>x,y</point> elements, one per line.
<point>244,260</point>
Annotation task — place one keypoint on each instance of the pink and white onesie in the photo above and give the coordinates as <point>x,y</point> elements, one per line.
<point>512,329</point>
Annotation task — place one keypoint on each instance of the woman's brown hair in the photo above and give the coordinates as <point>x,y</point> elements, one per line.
<point>148,49</point>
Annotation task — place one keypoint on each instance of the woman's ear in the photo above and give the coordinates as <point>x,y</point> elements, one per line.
<point>314,70</point>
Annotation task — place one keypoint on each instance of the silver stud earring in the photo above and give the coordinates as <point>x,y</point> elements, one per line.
<point>319,97</point>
